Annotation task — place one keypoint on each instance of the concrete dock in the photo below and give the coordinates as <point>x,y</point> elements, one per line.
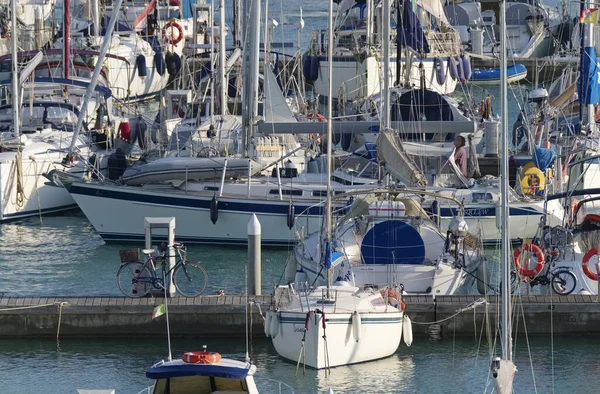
<point>225,316</point>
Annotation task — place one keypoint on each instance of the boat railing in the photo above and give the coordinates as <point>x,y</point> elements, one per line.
<point>147,390</point>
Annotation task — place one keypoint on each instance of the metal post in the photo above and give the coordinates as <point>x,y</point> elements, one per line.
<point>151,223</point>
<point>254,256</point>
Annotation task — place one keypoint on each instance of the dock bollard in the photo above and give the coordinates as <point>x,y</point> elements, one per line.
<point>254,264</point>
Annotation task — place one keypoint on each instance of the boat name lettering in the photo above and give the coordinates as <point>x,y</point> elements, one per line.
<point>299,328</point>
<point>477,212</point>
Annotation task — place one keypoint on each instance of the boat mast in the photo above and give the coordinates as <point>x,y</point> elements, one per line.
<point>16,103</point>
<point>588,41</point>
<point>328,224</point>
<point>505,252</point>
<point>386,64</point>
<point>67,38</point>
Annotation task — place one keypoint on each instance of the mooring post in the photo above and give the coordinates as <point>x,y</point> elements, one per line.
<point>254,263</point>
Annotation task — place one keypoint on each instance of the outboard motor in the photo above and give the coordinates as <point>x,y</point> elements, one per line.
<point>457,231</point>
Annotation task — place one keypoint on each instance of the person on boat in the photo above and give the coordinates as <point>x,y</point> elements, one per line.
<point>460,154</point>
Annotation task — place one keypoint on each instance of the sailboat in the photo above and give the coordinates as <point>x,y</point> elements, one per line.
<point>503,368</point>
<point>336,324</point>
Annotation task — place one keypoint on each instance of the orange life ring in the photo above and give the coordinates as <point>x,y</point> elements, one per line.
<point>585,261</point>
<point>201,357</point>
<point>172,25</point>
<point>318,117</point>
<point>537,252</point>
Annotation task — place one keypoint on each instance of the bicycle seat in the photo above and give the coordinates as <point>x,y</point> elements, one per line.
<point>148,251</point>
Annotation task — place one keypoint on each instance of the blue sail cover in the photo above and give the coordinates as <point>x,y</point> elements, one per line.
<point>589,82</point>
<point>542,158</point>
<point>393,242</point>
<point>410,32</point>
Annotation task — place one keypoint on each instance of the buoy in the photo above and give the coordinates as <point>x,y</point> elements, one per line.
<point>159,63</point>
<point>291,217</point>
<point>140,62</point>
<point>532,180</point>
<point>466,66</point>
<point>452,68</point>
<point>356,325</point>
<point>214,209</point>
<point>407,330</point>
<point>201,357</point>
<point>314,68</point>
<point>274,327</point>
<point>440,73</point>
<point>125,131</point>
<point>268,323</point>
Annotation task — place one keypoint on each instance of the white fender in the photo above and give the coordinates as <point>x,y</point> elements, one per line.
<point>274,325</point>
<point>268,323</point>
<point>407,330</point>
<point>356,325</point>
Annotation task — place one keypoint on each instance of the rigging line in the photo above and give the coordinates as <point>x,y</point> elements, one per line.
<point>527,341</point>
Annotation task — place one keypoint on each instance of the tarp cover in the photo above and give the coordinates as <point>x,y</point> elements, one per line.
<point>542,158</point>
<point>393,242</point>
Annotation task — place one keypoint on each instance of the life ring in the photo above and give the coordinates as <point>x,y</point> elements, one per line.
<point>201,357</point>
<point>171,40</point>
<point>584,264</point>
<point>318,117</point>
<point>537,252</point>
<point>532,180</point>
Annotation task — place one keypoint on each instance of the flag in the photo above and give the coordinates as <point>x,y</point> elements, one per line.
<point>589,15</point>
<point>589,81</point>
<point>159,310</point>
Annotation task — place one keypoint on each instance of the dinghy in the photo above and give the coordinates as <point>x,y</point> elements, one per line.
<point>491,76</point>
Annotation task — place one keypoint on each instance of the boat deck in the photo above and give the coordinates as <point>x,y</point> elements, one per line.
<point>225,316</point>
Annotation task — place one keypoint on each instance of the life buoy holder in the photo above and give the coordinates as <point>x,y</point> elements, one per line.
<point>585,264</point>
<point>201,357</point>
<point>318,117</point>
<point>170,39</point>
<point>532,180</point>
<point>537,252</point>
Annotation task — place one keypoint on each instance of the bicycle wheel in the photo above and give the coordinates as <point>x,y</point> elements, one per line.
<point>563,282</point>
<point>190,279</point>
<point>134,279</point>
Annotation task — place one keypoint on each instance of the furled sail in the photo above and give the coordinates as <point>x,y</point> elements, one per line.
<point>392,155</point>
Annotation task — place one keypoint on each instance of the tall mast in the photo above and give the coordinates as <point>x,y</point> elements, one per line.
<point>386,64</point>
<point>505,252</point>
<point>328,224</point>
<point>16,103</point>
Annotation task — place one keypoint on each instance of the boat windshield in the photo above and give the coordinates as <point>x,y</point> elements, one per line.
<point>200,385</point>
<point>58,117</point>
<point>360,166</point>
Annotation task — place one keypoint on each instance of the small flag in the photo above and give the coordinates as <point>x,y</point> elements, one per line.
<point>159,310</point>
<point>589,15</point>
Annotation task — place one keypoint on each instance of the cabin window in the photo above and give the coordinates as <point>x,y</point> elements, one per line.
<point>211,188</point>
<point>483,196</point>
<point>286,192</point>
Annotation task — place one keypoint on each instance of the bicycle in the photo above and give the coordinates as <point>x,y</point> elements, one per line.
<point>137,279</point>
<point>561,279</point>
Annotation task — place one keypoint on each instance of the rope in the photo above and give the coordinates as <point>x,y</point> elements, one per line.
<point>472,305</point>
<point>19,174</point>
<point>60,305</point>
<point>37,190</point>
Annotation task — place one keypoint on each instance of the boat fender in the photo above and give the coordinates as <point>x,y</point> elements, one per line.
<point>291,217</point>
<point>177,60</point>
<point>306,61</point>
<point>460,73</point>
<point>159,63</point>
<point>201,357</point>
<point>214,209</point>
<point>274,327</point>
<point>537,252</point>
<point>125,131</point>
<point>314,68</point>
<point>440,73</point>
<point>268,323</point>
<point>356,325</point>
<point>585,261</point>
<point>452,68</point>
<point>140,62</point>
<point>466,66</point>
<point>170,63</point>
<point>482,276</point>
<point>407,333</point>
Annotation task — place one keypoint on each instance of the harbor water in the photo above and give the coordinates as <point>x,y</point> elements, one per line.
<point>65,257</point>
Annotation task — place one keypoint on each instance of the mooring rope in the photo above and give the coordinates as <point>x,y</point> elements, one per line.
<point>472,305</point>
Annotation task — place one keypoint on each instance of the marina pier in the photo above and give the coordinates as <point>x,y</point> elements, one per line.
<point>225,316</point>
